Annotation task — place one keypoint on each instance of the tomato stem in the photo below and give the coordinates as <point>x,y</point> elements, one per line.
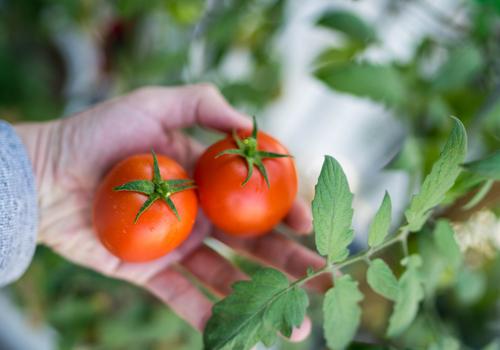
<point>157,188</point>
<point>248,149</point>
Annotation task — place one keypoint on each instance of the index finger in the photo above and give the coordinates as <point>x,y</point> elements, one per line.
<point>177,107</point>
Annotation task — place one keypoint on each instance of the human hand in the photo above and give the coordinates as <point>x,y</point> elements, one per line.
<point>70,156</point>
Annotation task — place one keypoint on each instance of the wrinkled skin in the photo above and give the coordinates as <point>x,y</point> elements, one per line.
<point>71,156</point>
<point>249,210</point>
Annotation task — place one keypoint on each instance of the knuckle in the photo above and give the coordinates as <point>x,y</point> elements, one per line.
<point>208,89</point>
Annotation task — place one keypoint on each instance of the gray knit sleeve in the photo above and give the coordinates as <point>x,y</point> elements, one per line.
<point>18,207</point>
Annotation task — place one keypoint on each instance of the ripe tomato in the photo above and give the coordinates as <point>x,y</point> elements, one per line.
<point>135,209</point>
<point>251,208</point>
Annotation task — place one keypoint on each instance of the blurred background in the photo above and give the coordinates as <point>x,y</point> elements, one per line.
<point>372,83</point>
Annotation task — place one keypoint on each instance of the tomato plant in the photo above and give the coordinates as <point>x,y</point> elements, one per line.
<point>138,215</point>
<point>238,199</point>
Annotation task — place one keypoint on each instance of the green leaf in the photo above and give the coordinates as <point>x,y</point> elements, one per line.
<point>471,286</point>
<point>256,311</point>
<point>335,55</point>
<point>147,204</point>
<point>464,63</point>
<point>172,207</point>
<point>464,184</point>
<point>142,186</point>
<point>409,158</point>
<point>409,296</point>
<point>479,195</point>
<point>433,263</point>
<point>382,280</point>
<point>381,222</point>
<point>332,212</point>
<point>444,238</point>
<point>446,343</point>
<point>349,24</point>
<point>488,167</point>
<point>364,80</point>
<point>156,169</point>
<point>342,312</point>
<point>441,178</point>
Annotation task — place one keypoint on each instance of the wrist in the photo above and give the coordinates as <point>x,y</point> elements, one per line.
<point>40,141</point>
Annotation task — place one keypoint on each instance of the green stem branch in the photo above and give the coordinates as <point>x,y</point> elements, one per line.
<point>401,237</point>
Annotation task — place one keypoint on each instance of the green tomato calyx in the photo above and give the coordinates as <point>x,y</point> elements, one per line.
<point>157,189</point>
<point>248,149</point>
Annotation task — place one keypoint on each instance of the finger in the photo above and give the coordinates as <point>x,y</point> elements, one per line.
<point>215,272</point>
<point>177,291</point>
<point>301,333</point>
<point>201,104</point>
<point>282,253</point>
<point>180,147</point>
<point>299,218</point>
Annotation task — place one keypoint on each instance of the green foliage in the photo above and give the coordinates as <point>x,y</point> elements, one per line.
<point>470,286</point>
<point>89,310</point>
<point>488,166</point>
<point>446,243</point>
<point>349,24</point>
<point>441,178</point>
<point>382,280</point>
<point>447,343</point>
<point>256,311</point>
<point>332,212</point>
<point>381,222</point>
<point>494,345</point>
<point>464,63</point>
<point>409,296</point>
<point>364,80</point>
<point>342,312</point>
<point>409,157</point>
<point>479,195</point>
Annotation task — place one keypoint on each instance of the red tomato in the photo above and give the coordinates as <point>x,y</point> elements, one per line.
<point>157,230</point>
<point>253,208</point>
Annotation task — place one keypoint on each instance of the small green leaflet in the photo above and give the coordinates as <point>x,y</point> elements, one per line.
<point>335,55</point>
<point>409,157</point>
<point>349,24</point>
<point>332,212</point>
<point>382,280</point>
<point>409,296</point>
<point>479,195</point>
<point>441,178</point>
<point>363,79</point>
<point>342,312</point>
<point>381,222</point>
<point>488,167</point>
<point>444,238</point>
<point>256,311</point>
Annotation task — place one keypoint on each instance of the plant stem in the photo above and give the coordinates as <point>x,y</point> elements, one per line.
<point>402,237</point>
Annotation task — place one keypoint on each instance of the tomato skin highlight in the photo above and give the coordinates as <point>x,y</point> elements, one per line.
<point>157,231</point>
<point>249,210</point>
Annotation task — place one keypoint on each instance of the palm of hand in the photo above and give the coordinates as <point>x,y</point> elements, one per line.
<point>71,156</point>
<point>93,142</point>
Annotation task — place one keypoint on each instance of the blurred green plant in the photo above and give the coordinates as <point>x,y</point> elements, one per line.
<point>95,312</point>
<point>186,41</point>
